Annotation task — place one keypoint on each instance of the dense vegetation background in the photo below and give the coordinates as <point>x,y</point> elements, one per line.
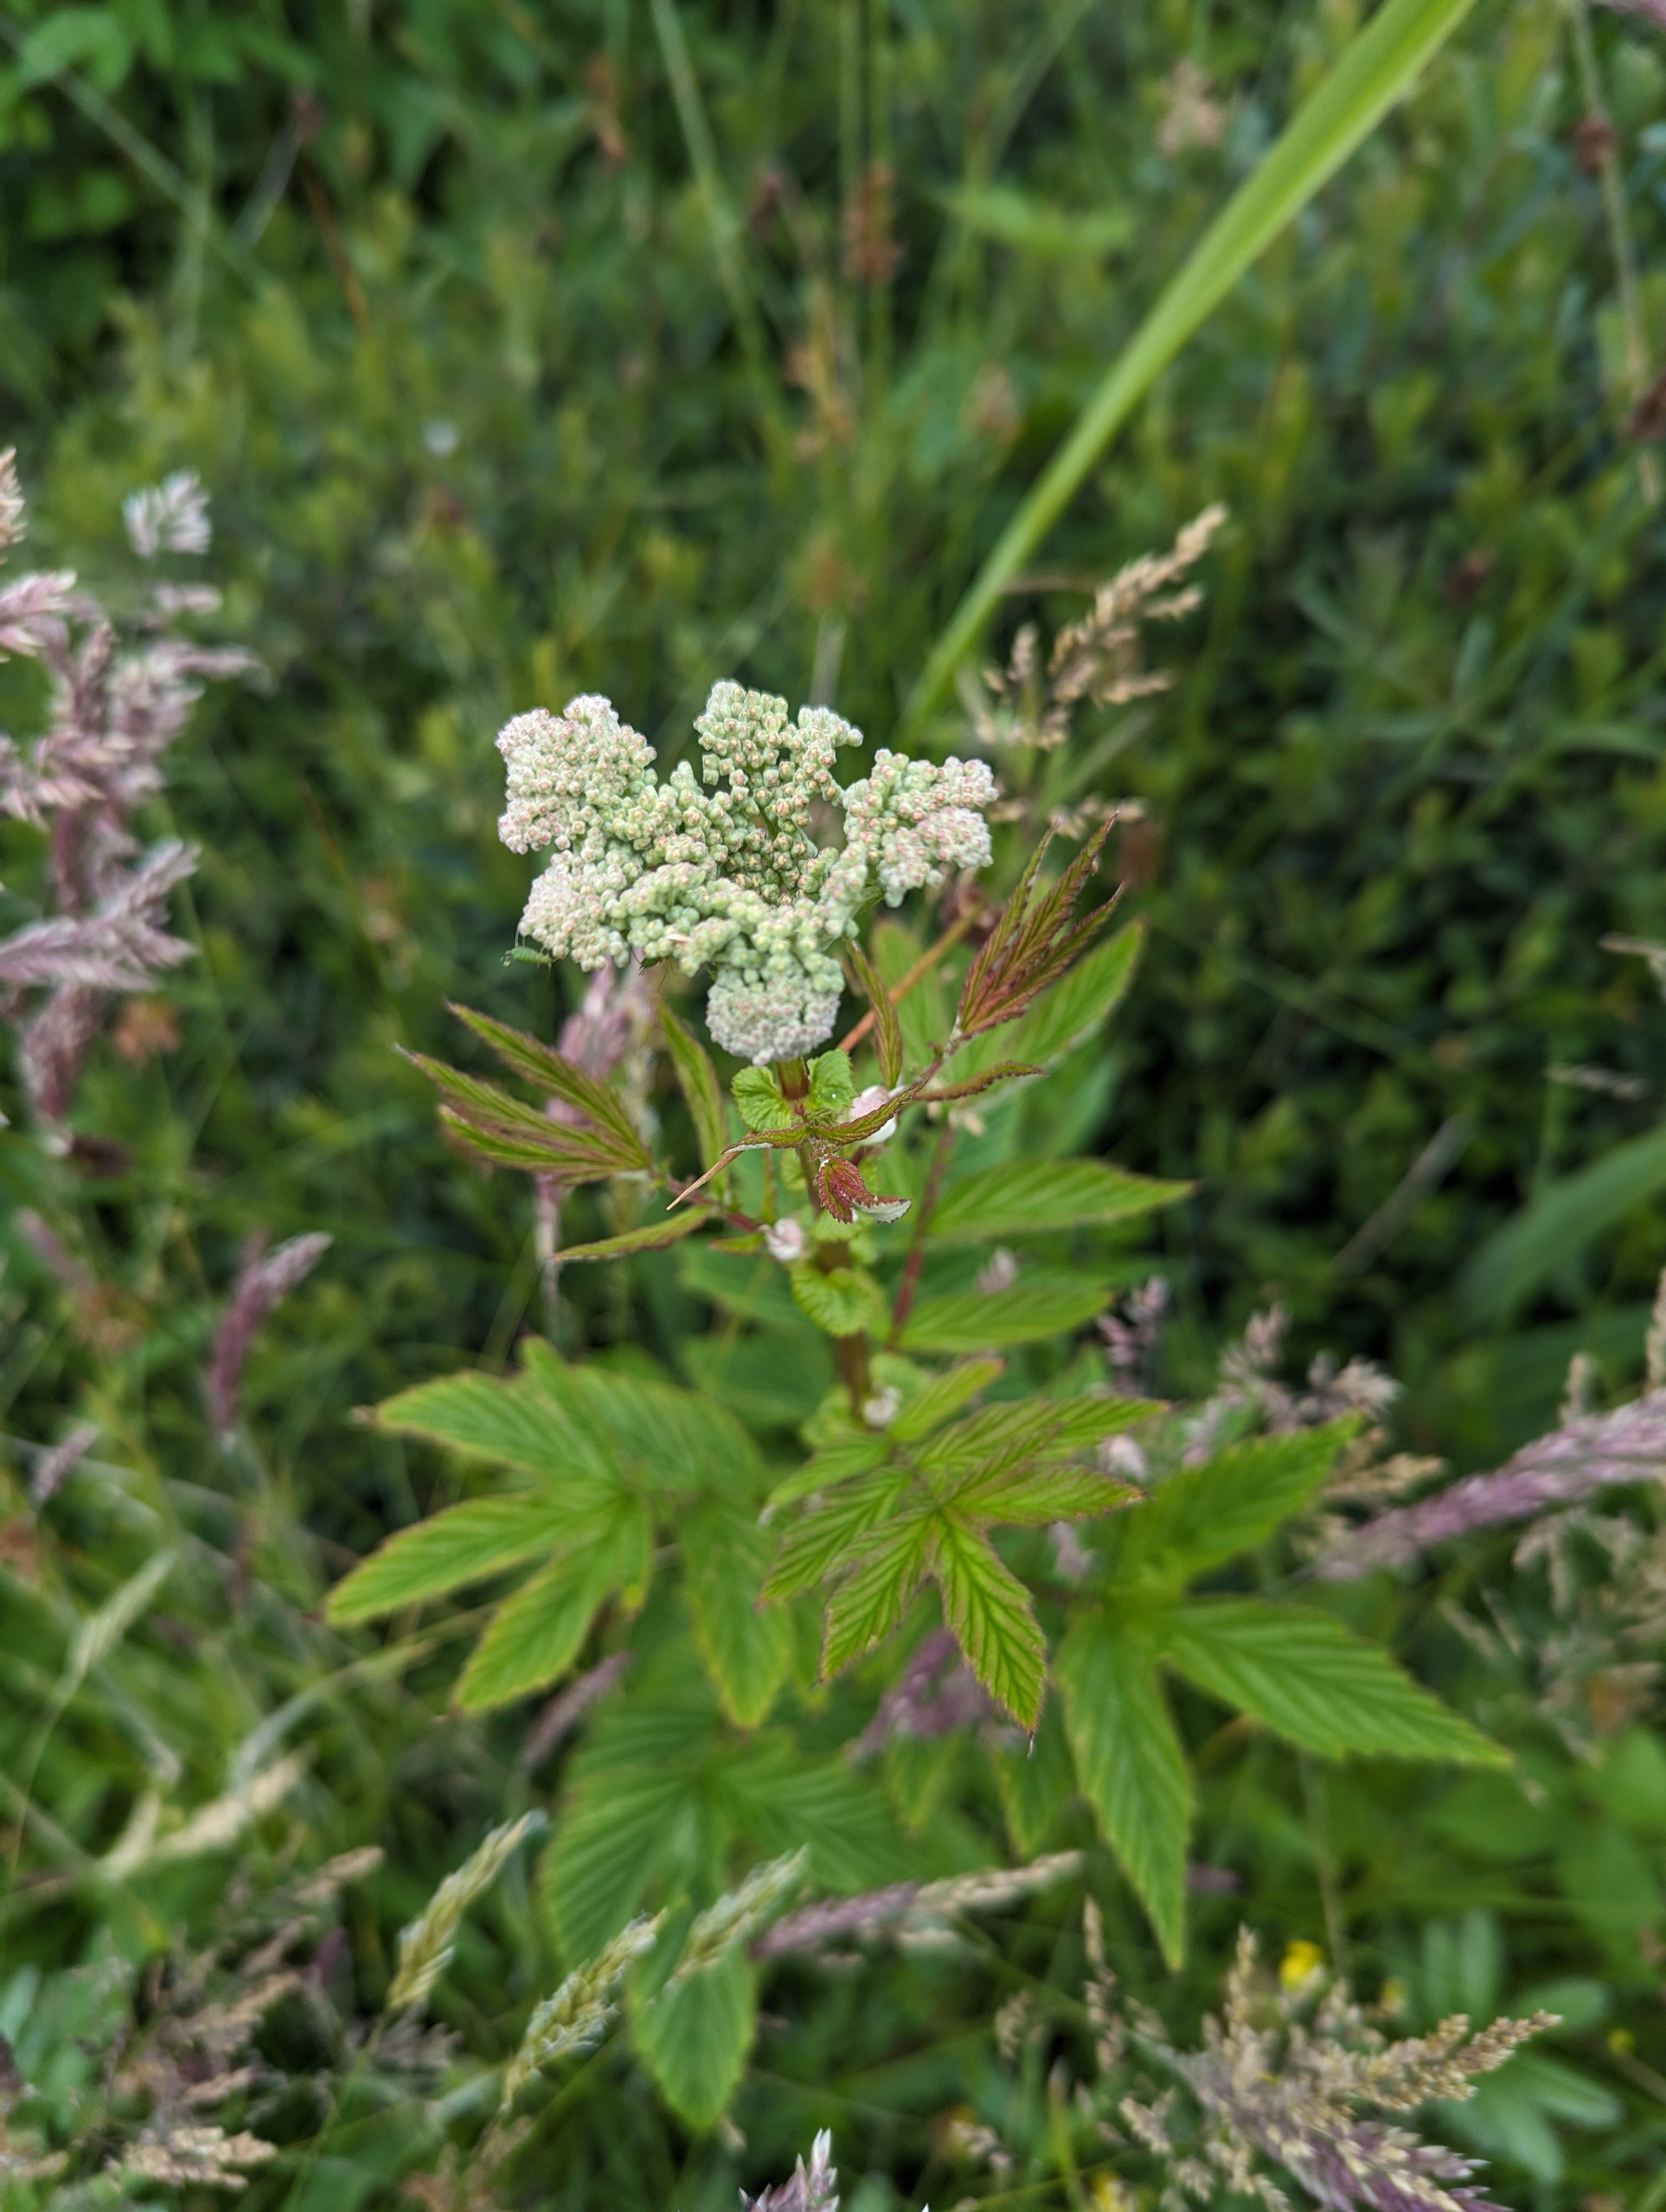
<point>526,350</point>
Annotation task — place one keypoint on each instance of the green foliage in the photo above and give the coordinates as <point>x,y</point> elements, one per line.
<point>533,352</point>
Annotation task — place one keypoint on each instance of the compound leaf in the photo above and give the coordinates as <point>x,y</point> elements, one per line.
<point>695,2035</point>
<point>1131,1765</point>
<point>1305,1676</point>
<point>1029,1196</point>
<point>1199,1516</point>
<point>1028,1313</point>
<point>869,1601</point>
<point>461,1545</point>
<point>746,1651</point>
<point>992,1619</point>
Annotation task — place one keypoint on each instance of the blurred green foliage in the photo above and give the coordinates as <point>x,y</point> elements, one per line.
<point>527,350</point>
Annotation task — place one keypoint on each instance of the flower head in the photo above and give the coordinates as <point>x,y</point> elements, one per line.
<point>722,870</point>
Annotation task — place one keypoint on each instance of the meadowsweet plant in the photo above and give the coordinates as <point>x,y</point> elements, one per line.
<point>905,1446</point>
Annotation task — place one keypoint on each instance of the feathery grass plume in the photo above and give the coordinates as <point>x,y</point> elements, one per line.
<point>1293,2078</point>
<point>425,1947</point>
<point>724,872</point>
<point>814,2188</point>
<point>113,715</point>
<point>1584,1455</point>
<point>264,1280</point>
<point>99,1633</point>
<point>56,1462</point>
<point>210,1828</point>
<point>738,1915</point>
<point>579,2014</point>
<point>916,1908</point>
<point>1097,658</point>
<point>1035,940</point>
<point>202,2154</point>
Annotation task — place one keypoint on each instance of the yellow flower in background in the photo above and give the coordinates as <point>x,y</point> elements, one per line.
<point>1300,1962</point>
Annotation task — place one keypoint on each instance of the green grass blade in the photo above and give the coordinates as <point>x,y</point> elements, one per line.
<point>1377,67</point>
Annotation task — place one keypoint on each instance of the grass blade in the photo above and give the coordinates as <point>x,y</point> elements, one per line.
<point>1375,69</point>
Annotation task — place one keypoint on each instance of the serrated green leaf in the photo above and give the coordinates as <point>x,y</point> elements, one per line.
<point>671,1439</point>
<point>536,1635</point>
<point>1012,1435</point>
<point>532,1421</point>
<point>1200,1516</point>
<point>696,1078</point>
<point>813,1546</point>
<point>1027,1197</point>
<point>1032,1497</point>
<point>552,1071</point>
<point>746,1651</point>
<point>1131,1765</point>
<point>461,1545</point>
<point>868,1602</point>
<point>1028,1313</point>
<point>942,1397</point>
<point>832,1087</point>
<point>652,1236</point>
<point>843,1301</point>
<point>610,1844</point>
<point>694,2038</point>
<point>1305,1675</point>
<point>566,1154</point>
<point>859,1453</point>
<point>758,1096</point>
<point>484,1111</point>
<point>991,1618</point>
<point>782,1798</point>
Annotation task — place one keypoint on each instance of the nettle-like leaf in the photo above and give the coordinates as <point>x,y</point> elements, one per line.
<point>504,1129</point>
<point>1200,1517</point>
<point>1031,1311</point>
<point>841,1300</point>
<point>694,2037</point>
<point>1305,1675</point>
<point>606,1454</point>
<point>1298,1673</point>
<point>1131,1763</point>
<point>887,1515</point>
<point>1027,1197</point>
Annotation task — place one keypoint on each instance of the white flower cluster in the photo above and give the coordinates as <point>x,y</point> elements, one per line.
<point>725,872</point>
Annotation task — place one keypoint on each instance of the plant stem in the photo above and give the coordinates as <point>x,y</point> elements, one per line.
<point>911,1267</point>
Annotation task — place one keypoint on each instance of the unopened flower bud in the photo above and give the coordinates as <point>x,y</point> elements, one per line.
<point>786,1241</point>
